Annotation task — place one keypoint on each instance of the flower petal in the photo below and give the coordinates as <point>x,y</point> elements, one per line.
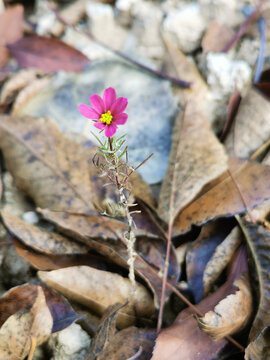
<point>120,119</point>
<point>110,130</point>
<point>119,106</point>
<point>109,97</point>
<point>88,112</point>
<point>97,103</point>
<point>99,125</point>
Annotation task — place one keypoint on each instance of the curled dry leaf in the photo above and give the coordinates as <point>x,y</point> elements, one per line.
<point>221,258</point>
<point>183,339</point>
<point>41,240</point>
<point>258,240</point>
<point>100,233</point>
<point>61,311</point>
<point>261,212</point>
<point>231,314</point>
<point>259,348</point>
<point>11,29</point>
<point>247,136</point>
<point>128,342</point>
<point>99,289</point>
<point>48,54</point>
<point>21,298</point>
<point>105,331</point>
<point>43,321</point>
<point>222,198</point>
<point>17,299</point>
<point>200,252</point>
<point>29,91</point>
<point>52,170</point>
<point>17,82</point>
<point>181,253</point>
<point>16,332</point>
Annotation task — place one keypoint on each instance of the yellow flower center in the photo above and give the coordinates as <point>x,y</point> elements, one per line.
<point>106,117</point>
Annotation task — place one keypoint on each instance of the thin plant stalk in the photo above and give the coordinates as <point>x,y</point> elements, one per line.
<point>129,235</point>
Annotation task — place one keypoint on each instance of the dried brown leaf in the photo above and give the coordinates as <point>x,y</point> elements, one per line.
<point>17,299</point>
<point>127,343</point>
<point>183,339</point>
<point>251,127</point>
<point>185,65</point>
<point>43,322</point>
<point>41,240</point>
<point>52,170</point>
<point>222,198</point>
<point>48,54</point>
<point>101,236</point>
<point>16,344</point>
<point>22,298</point>
<point>93,288</point>
<point>28,92</point>
<point>259,349</point>
<point>216,37</point>
<point>258,240</point>
<point>11,29</point>
<point>14,202</point>
<point>53,262</point>
<point>261,212</point>
<point>16,332</point>
<point>221,258</point>
<point>85,226</point>
<point>231,314</point>
<point>105,331</point>
<point>200,252</point>
<point>196,158</point>
<point>15,83</point>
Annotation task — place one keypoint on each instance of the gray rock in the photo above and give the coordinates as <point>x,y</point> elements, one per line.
<point>185,27</point>
<point>69,344</point>
<point>151,109</point>
<point>14,269</point>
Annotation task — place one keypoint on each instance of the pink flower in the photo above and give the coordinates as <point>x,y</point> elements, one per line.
<point>107,112</point>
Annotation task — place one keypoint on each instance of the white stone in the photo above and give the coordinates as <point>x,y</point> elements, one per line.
<point>45,23</point>
<point>147,19</point>
<point>103,26</point>
<point>224,76</point>
<point>30,217</point>
<point>69,344</point>
<point>185,27</point>
<point>124,8</point>
<point>223,11</point>
<point>249,51</point>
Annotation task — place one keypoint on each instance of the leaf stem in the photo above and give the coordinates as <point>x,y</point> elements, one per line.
<point>129,235</point>
<point>243,27</point>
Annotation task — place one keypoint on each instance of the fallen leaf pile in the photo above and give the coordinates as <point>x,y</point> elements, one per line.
<point>57,218</point>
